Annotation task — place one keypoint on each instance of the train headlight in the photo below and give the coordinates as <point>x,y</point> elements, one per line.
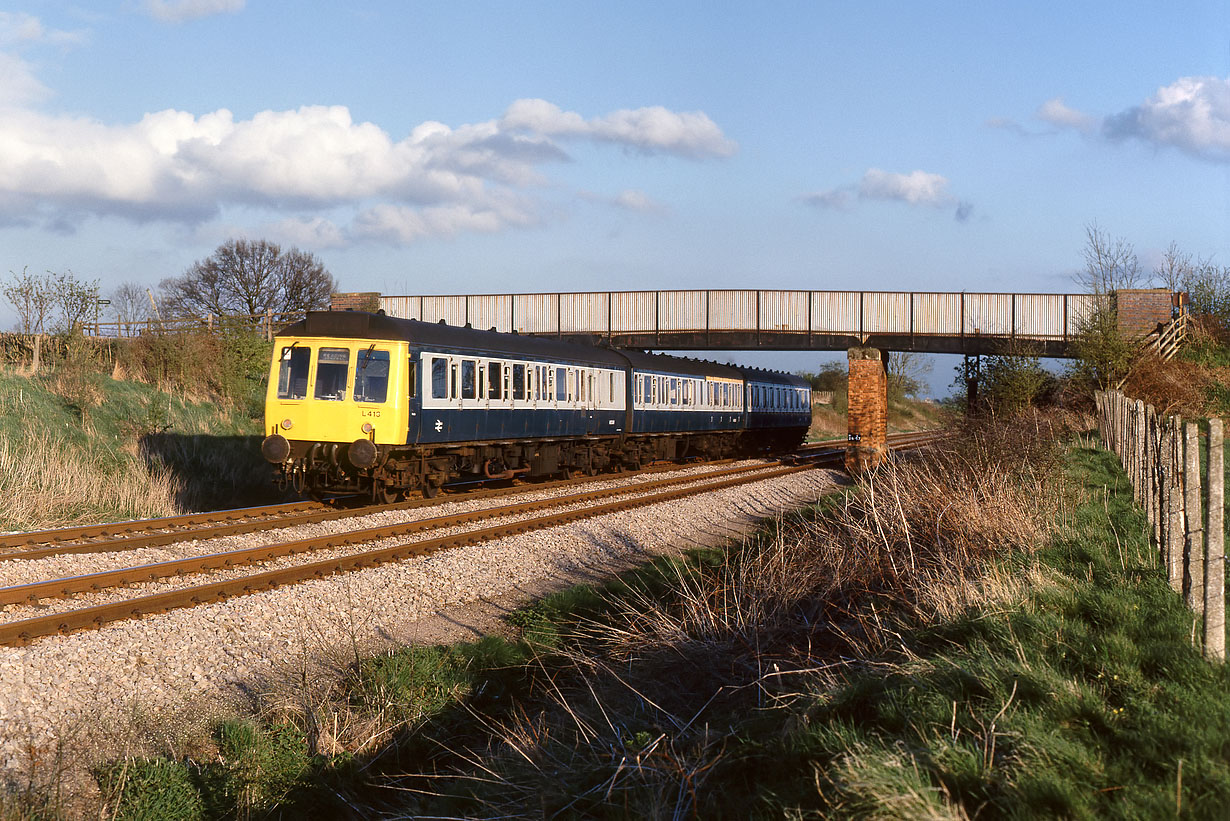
<point>367,427</point>
<point>287,424</point>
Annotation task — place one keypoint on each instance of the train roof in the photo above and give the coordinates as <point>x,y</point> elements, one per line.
<point>363,325</point>
<point>772,377</point>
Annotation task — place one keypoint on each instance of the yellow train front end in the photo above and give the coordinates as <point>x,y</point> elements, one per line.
<point>334,409</point>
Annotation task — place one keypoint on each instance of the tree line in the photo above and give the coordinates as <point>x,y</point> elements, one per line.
<point>241,277</point>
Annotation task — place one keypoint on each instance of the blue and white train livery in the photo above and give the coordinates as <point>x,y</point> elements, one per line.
<point>368,403</point>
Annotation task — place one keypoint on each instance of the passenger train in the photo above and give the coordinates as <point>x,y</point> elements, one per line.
<point>366,403</point>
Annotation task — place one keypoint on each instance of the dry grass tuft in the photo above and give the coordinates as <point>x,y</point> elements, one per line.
<point>638,717</point>
<point>1177,386</point>
<point>44,483</point>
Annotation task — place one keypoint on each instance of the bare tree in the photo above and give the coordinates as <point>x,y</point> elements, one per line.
<point>32,297</point>
<point>1110,263</point>
<point>906,372</point>
<point>76,299</point>
<point>249,277</point>
<point>130,304</point>
<point>1174,269</point>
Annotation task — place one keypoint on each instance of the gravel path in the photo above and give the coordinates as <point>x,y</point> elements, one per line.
<point>102,693</point>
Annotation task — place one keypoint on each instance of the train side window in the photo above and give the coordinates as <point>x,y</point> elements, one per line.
<point>518,381</point>
<point>371,376</point>
<point>469,379</point>
<point>412,371</point>
<point>561,384</point>
<point>439,377</point>
<point>494,380</point>
<point>293,372</point>
<point>332,373</point>
<point>582,376</point>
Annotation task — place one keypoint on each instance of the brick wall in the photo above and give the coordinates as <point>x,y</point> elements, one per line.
<point>1141,310</point>
<point>867,419</point>
<point>360,301</point>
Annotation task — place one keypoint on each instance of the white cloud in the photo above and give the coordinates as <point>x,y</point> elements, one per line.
<point>18,85</point>
<point>305,232</point>
<point>19,28</point>
<point>634,200</point>
<point>401,225</point>
<point>652,130</point>
<point>1056,113</point>
<point>179,11</point>
<point>1191,114</point>
<point>914,188</point>
<point>176,166</point>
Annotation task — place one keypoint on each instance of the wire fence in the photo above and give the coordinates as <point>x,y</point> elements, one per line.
<point>1162,458</point>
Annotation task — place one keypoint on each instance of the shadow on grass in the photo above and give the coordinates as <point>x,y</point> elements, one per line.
<point>213,472</point>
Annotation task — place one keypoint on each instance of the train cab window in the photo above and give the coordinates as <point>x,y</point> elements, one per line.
<point>469,379</point>
<point>495,380</point>
<point>518,382</point>
<point>293,372</point>
<point>332,373</point>
<point>371,376</point>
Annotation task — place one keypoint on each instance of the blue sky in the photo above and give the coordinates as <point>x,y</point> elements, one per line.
<point>492,147</point>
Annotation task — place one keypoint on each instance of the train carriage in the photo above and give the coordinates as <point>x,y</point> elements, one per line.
<point>778,409</point>
<point>366,403</point>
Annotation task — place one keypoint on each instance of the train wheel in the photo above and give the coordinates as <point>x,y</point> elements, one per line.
<point>385,494</point>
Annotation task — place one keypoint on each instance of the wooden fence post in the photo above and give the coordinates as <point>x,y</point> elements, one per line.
<point>1214,551</point>
<point>1178,515</point>
<point>1193,548</point>
<point>1150,484</point>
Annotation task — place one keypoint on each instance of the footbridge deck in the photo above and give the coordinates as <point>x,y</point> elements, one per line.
<point>962,323</point>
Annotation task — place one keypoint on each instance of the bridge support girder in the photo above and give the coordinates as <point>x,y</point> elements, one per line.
<point>867,414</point>
<point>973,375</point>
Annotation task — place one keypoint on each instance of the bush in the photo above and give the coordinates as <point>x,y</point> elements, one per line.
<point>258,767</point>
<point>230,366</point>
<point>150,789</point>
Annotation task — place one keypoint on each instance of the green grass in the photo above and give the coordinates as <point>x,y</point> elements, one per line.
<point>79,446</point>
<point>1080,696</point>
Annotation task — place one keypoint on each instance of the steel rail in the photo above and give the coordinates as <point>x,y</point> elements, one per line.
<point>138,533</point>
<point>93,582</point>
<point>25,631</point>
<point>153,534</point>
<point>69,534</point>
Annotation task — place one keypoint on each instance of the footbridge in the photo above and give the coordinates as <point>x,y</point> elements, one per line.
<point>863,323</point>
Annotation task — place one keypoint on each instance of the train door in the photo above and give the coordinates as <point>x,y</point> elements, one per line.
<point>589,401</point>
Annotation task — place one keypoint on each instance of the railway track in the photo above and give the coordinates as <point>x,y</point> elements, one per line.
<point>518,517</point>
<point>129,535</point>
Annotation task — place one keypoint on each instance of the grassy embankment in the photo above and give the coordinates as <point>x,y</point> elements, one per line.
<point>904,414</point>
<point>150,428</point>
<point>985,634</point>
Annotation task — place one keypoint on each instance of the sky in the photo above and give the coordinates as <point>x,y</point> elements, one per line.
<point>510,147</point>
